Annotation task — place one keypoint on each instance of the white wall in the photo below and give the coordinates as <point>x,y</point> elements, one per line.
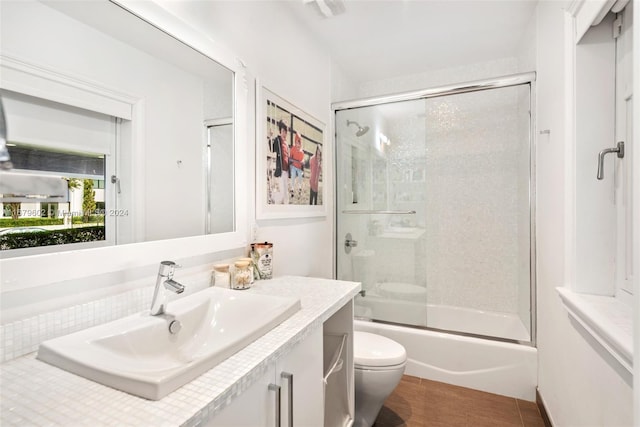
<point>595,201</point>
<point>579,385</point>
<point>636,208</point>
<point>441,77</point>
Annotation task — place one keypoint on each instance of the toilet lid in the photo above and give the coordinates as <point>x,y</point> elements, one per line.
<point>376,350</point>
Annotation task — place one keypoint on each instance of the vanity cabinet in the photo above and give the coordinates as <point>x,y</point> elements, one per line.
<point>312,364</point>
<point>297,377</point>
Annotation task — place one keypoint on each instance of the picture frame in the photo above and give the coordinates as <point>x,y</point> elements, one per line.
<point>290,159</point>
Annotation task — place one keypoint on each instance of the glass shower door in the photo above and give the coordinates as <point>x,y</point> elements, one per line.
<point>381,157</point>
<point>434,211</point>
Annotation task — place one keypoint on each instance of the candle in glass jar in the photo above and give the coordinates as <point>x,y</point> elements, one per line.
<point>241,275</point>
<point>251,272</point>
<point>221,275</point>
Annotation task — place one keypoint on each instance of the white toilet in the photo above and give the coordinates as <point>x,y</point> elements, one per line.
<point>379,364</point>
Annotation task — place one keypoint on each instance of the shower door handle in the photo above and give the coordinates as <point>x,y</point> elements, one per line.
<point>619,149</point>
<point>349,243</point>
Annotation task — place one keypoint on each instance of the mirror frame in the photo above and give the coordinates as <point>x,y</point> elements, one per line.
<point>37,270</point>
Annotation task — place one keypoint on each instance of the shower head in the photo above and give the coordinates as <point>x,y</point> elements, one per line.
<point>361,130</point>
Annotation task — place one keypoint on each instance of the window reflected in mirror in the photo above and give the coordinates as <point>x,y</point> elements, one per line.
<point>52,198</point>
<point>56,193</point>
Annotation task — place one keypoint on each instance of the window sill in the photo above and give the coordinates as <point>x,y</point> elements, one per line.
<point>607,319</point>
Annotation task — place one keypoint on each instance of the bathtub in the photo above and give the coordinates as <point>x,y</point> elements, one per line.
<point>492,366</point>
<point>507,326</point>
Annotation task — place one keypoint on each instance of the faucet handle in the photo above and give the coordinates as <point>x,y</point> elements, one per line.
<point>173,269</point>
<point>171,266</point>
<point>168,263</point>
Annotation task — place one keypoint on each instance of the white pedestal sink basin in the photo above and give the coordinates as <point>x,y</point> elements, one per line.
<point>139,355</point>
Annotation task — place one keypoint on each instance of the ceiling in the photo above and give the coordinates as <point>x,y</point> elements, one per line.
<point>377,39</point>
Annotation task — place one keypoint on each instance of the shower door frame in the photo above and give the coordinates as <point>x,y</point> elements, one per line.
<point>519,79</point>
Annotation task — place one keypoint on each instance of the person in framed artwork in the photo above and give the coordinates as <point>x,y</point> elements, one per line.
<point>315,165</point>
<point>296,165</point>
<point>281,148</point>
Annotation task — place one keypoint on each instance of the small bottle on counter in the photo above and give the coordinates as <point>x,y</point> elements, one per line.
<point>241,277</point>
<point>221,275</point>
<point>262,254</point>
<point>251,267</point>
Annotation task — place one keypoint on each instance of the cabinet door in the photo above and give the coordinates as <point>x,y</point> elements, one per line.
<point>299,376</point>
<point>255,407</point>
<point>302,368</point>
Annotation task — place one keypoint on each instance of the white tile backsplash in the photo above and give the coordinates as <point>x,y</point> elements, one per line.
<point>23,336</point>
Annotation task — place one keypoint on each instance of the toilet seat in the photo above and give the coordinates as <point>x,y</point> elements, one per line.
<point>375,352</point>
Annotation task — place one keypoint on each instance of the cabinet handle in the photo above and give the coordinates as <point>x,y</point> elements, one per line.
<point>289,377</point>
<point>276,389</point>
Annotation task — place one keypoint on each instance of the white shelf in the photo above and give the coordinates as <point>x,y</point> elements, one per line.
<point>607,319</point>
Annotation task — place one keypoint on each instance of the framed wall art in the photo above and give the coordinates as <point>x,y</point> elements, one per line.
<point>289,160</point>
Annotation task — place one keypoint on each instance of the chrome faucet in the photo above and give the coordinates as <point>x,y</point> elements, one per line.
<point>159,302</point>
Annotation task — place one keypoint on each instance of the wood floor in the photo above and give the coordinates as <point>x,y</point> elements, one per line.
<point>418,402</point>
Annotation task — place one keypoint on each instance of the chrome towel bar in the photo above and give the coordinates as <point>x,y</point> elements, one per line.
<point>379,212</point>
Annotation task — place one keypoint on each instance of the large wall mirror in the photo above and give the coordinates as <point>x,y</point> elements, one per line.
<point>165,138</point>
<point>118,131</point>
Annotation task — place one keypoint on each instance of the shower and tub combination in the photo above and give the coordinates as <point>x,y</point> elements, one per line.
<point>435,216</point>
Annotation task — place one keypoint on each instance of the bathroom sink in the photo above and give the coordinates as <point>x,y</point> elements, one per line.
<point>137,354</point>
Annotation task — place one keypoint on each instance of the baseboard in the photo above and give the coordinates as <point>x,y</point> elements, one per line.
<point>543,410</point>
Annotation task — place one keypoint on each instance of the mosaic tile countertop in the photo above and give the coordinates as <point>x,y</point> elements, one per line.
<point>35,393</point>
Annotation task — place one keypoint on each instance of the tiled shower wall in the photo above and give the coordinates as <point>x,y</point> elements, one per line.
<point>475,200</point>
